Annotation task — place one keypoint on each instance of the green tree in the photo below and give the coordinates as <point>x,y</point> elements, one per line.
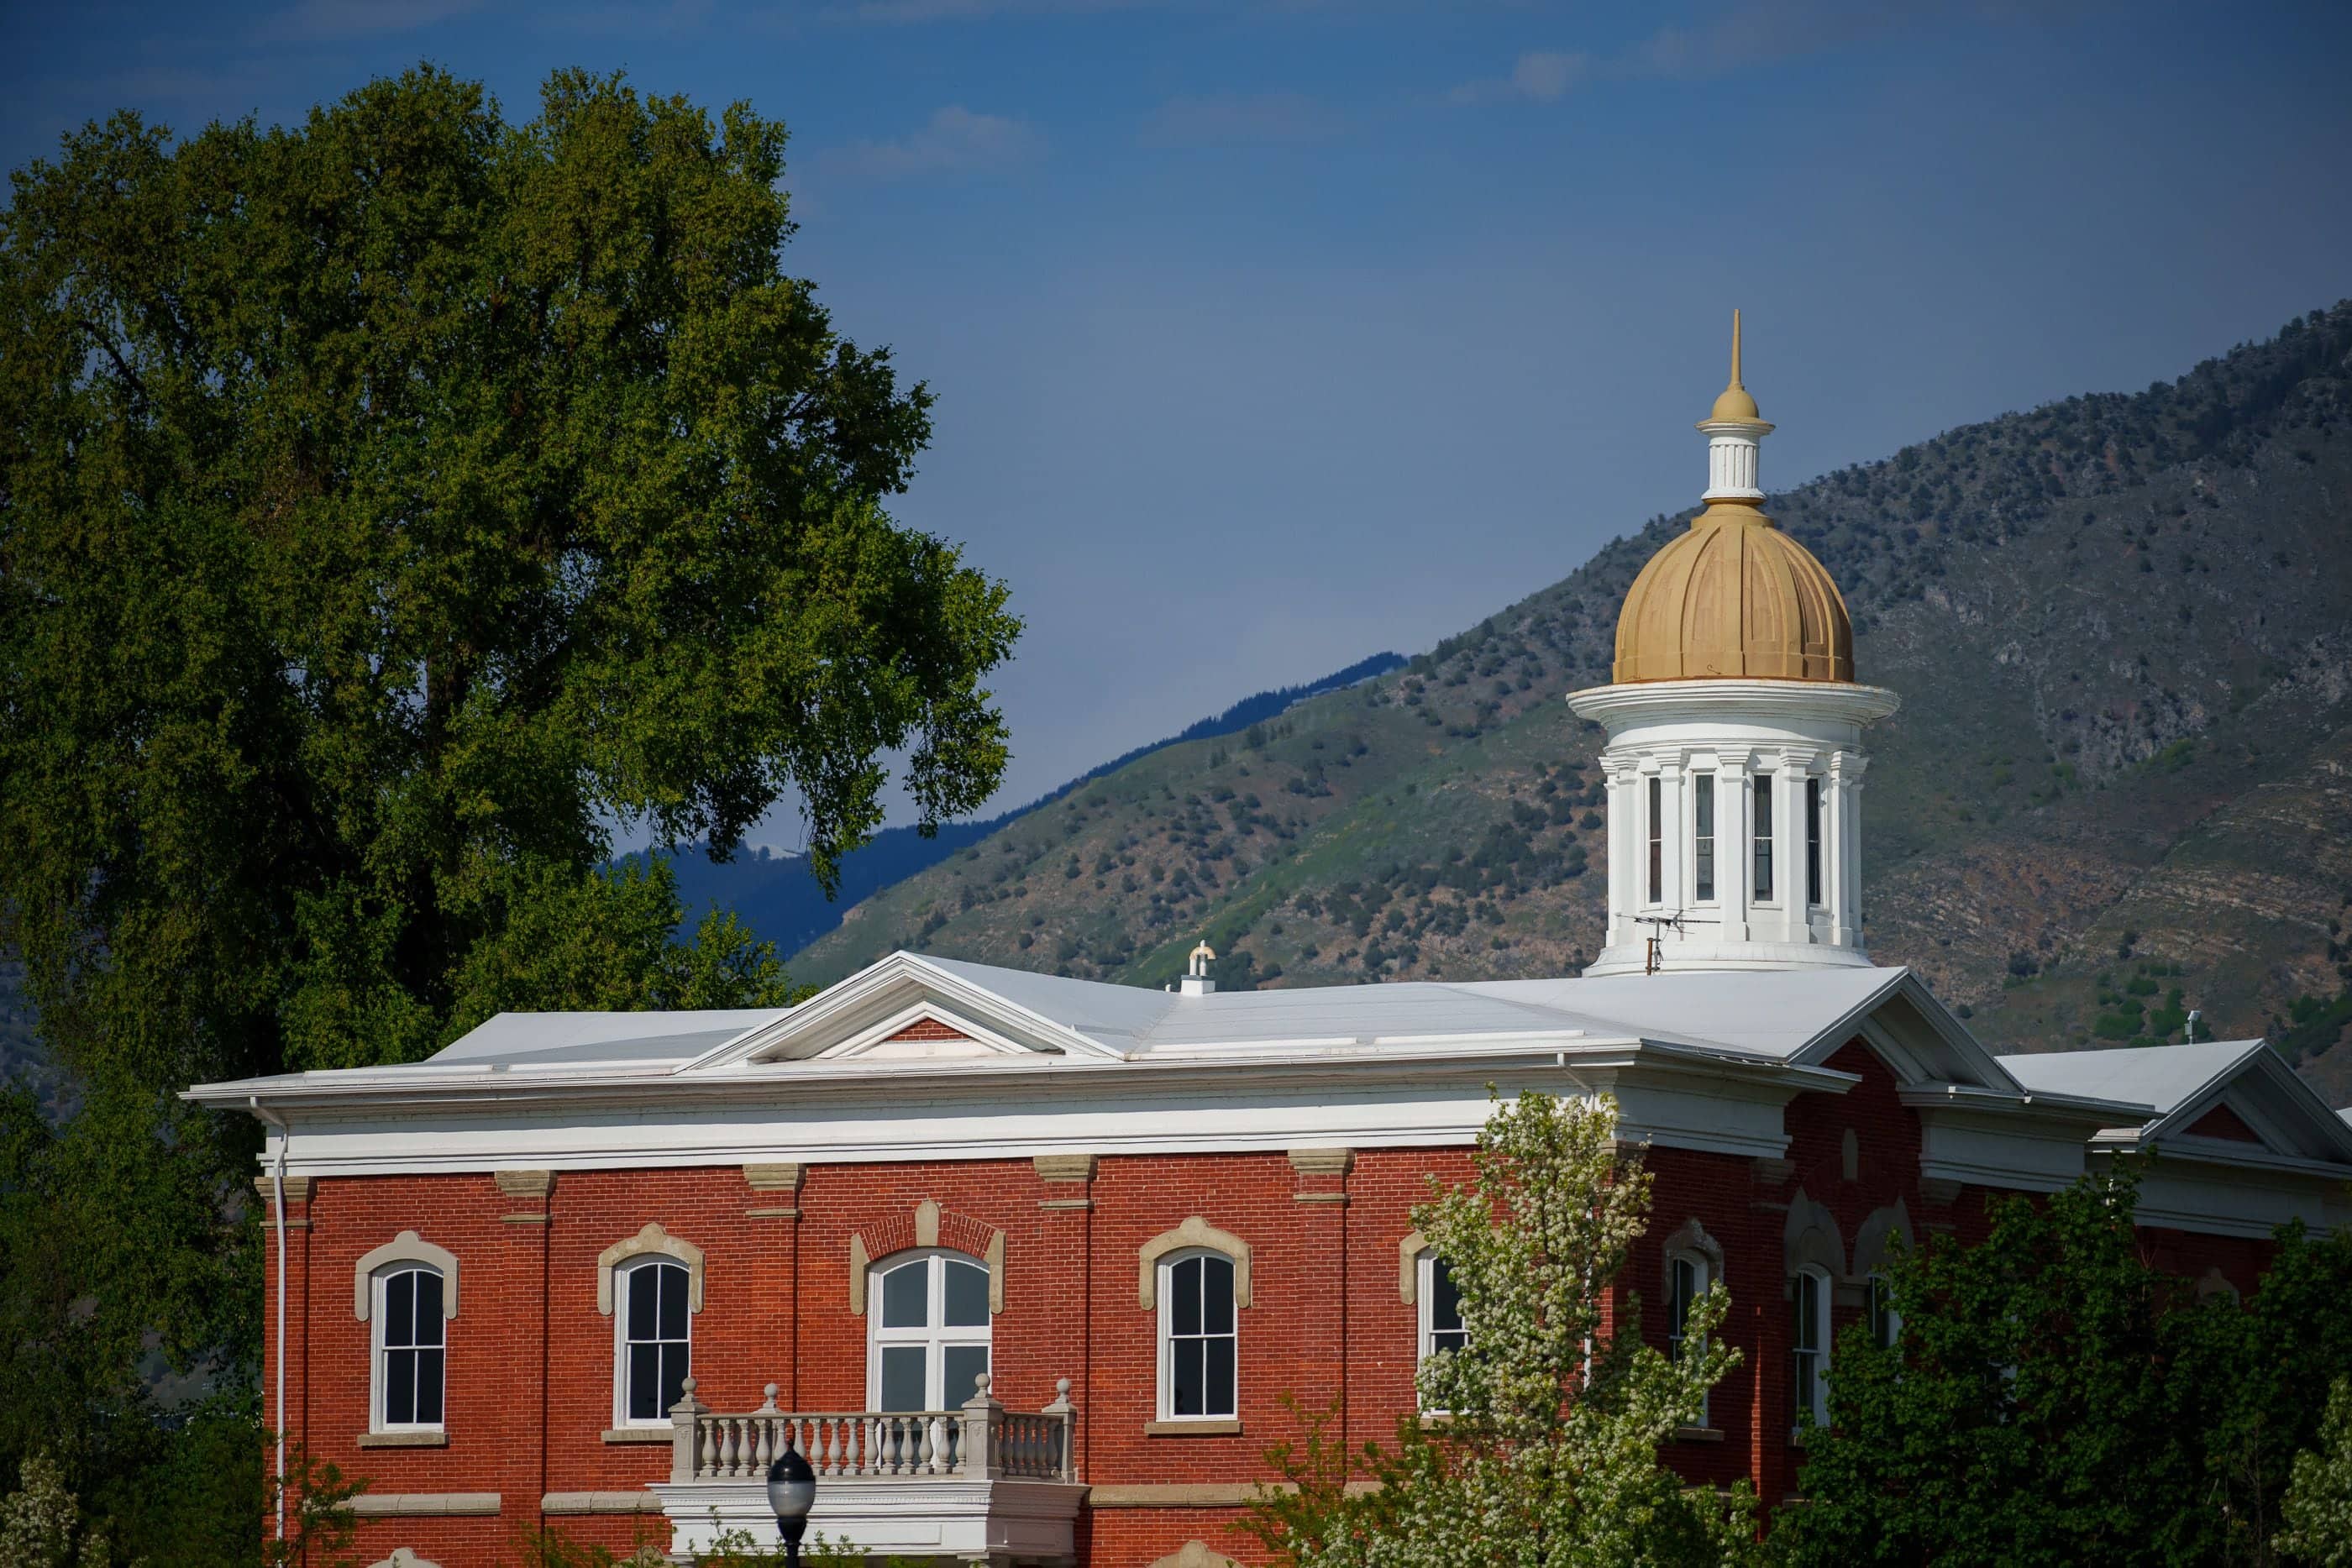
<point>2318,1505</point>
<point>392,505</point>
<point>2055,1399</point>
<point>1548,1454</point>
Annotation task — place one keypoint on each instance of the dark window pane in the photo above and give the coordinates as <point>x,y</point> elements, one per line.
<point>960,1369</point>
<point>1220,1377</point>
<point>428,1307</point>
<point>673,1376</point>
<point>645,1304</point>
<point>1191,1377</point>
<point>1763,835</point>
<point>1217,1295</point>
<point>1445,1299</point>
<point>1812,840</point>
<point>399,1387</point>
<point>400,1309</point>
<point>674,1281</point>
<point>907,1298</point>
<point>1703,810</point>
<point>1657,840</point>
<point>644,1382</point>
<point>428,1387</point>
<point>902,1378</point>
<point>967,1297</point>
<point>1184,1291</point>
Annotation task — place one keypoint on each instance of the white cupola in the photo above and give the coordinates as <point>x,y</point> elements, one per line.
<point>1735,758</point>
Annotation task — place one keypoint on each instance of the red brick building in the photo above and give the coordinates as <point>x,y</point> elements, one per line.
<point>1028,1266</point>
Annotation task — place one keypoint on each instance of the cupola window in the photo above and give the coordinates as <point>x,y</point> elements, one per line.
<point>1812,840</point>
<point>1703,843</point>
<point>1763,836</point>
<point>1657,842</point>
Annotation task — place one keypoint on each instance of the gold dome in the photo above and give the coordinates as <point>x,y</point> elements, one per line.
<point>1735,597</point>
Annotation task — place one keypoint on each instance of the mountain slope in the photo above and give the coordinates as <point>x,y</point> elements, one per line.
<point>2122,628</point>
<point>777,898</point>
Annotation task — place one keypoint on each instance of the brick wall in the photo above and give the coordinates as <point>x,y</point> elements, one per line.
<point>529,1353</point>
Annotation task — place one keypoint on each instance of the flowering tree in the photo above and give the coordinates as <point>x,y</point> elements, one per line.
<point>1548,1457</point>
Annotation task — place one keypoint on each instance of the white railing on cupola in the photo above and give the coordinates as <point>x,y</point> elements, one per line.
<point>983,1440</point>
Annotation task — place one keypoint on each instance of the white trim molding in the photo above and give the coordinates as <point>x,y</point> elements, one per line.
<point>1195,1232</point>
<point>652,1239</point>
<point>406,1248</point>
<point>1810,1240</point>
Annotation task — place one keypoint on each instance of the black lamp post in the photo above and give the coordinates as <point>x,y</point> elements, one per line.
<point>792,1493</point>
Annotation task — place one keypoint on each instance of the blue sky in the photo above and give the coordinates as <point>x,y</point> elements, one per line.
<point>1270,335</point>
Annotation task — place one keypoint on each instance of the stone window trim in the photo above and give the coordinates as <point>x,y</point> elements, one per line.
<point>1810,1240</point>
<point>1874,1240</point>
<point>404,1557</point>
<point>2215,1283</point>
<point>1409,1248</point>
<point>1196,1233</point>
<point>406,1248</point>
<point>653,1239</point>
<point>1196,1553</point>
<point>1691,1240</point>
<point>973,1240</point>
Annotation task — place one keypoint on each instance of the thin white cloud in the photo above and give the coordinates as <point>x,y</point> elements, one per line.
<point>1740,36</point>
<point>316,19</point>
<point>1230,120</point>
<point>1538,76</point>
<point>954,139</point>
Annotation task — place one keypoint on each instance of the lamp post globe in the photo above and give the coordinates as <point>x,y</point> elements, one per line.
<point>792,1493</point>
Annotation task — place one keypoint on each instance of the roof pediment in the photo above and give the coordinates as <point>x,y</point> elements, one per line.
<point>904,1008</point>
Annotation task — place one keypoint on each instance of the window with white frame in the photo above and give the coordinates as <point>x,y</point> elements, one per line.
<point>1762,837</point>
<point>410,1348</point>
<point>1885,1321</point>
<point>1200,1346</point>
<point>653,1339</point>
<point>1441,1308</point>
<point>928,1331</point>
<point>1808,1345</point>
<point>1687,1282</point>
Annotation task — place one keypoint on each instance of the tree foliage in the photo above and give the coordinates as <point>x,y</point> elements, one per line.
<point>2056,1398</point>
<point>1548,1454</point>
<point>390,505</point>
<point>2318,1505</point>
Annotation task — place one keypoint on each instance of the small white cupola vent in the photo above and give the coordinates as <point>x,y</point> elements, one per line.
<point>1196,971</point>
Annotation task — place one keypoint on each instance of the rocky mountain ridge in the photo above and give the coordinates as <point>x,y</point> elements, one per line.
<point>2121,626</point>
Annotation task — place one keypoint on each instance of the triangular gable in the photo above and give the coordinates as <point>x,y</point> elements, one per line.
<point>2258,1100</point>
<point>901,1007</point>
<point>1917,1036</point>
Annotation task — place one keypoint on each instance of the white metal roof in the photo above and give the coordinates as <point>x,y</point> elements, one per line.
<point>513,1037</point>
<point>2159,1076</point>
<point>1771,1014</point>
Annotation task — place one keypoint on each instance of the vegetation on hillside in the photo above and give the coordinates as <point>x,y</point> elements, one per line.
<point>2122,628</point>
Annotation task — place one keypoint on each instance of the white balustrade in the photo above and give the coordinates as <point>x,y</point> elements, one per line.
<point>980,1439</point>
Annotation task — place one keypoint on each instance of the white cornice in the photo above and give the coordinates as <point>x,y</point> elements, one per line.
<point>1831,702</point>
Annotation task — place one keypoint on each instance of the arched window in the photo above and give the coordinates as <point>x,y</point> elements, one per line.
<point>410,1348</point>
<point>407,1291</point>
<point>1808,1345</point>
<point>1886,1320</point>
<point>929,1335</point>
<point>1693,1265</point>
<point>1200,1346</point>
<point>652,1339</point>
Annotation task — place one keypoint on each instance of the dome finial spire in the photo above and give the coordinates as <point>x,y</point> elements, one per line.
<point>1734,405</point>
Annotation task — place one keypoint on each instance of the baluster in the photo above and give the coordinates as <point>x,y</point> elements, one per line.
<point>767,1454</point>
<point>837,1444</point>
<point>709,1458</point>
<point>902,1446</point>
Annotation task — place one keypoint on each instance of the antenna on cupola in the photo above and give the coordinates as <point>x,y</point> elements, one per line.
<point>1196,971</point>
